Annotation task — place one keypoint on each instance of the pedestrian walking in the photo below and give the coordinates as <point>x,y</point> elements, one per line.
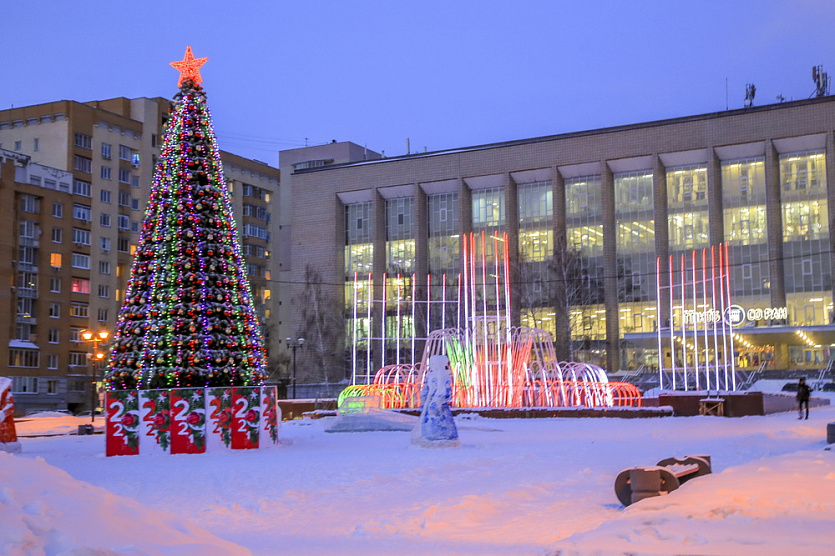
<point>803,393</point>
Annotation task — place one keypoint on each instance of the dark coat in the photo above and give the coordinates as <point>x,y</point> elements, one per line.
<point>803,392</point>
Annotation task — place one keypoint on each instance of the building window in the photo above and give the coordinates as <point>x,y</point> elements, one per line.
<point>25,308</point>
<point>83,140</point>
<point>81,212</point>
<point>18,145</point>
<point>252,250</point>
<point>24,384</point>
<point>124,198</point>
<point>80,260</point>
<point>52,384</point>
<point>104,243</point>
<point>80,285</point>
<point>28,229</point>
<point>23,331</point>
<point>536,214</point>
<point>58,210</point>
<point>104,267</point>
<point>80,237</point>
<point>26,255</point>
<point>54,335</point>
<point>78,359</point>
<point>253,230</point>
<point>104,220</point>
<point>104,195</point>
<point>123,222</point>
<point>52,362</point>
<point>30,203</point>
<point>55,260</point>
<point>255,192</point>
<point>124,175</point>
<point>747,271</point>
<point>75,334</point>
<point>28,358</point>
<point>488,208</point>
<point>106,149</point>
<point>123,245</point>
<point>256,212</point>
<point>55,284</point>
<point>81,188</point>
<point>102,315</point>
<point>105,172</point>
<point>57,235</point>
<point>79,310</point>
<point>82,164</point>
<point>104,290</point>
<point>124,152</point>
<point>54,310</point>
<point>37,144</point>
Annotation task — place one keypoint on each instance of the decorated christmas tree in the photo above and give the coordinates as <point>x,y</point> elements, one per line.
<point>187,319</point>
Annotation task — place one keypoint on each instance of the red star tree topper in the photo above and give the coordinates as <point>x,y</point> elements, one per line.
<point>189,67</point>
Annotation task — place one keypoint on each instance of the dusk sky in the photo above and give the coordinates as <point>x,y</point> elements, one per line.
<point>444,74</point>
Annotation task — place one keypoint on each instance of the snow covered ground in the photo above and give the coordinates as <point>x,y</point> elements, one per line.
<point>537,486</point>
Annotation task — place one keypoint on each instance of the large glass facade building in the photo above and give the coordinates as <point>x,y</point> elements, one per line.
<point>590,217</point>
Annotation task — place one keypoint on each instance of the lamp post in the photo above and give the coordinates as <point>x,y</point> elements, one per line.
<point>95,358</point>
<point>294,345</point>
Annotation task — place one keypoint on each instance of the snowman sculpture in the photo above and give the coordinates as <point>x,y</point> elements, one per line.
<point>436,427</point>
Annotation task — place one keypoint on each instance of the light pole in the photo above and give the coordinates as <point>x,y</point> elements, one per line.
<point>294,345</point>
<point>95,358</point>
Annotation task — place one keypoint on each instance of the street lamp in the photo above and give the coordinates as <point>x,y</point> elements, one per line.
<point>294,345</point>
<point>96,358</point>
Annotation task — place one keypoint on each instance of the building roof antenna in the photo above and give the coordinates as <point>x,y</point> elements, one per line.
<point>750,92</point>
<point>822,81</point>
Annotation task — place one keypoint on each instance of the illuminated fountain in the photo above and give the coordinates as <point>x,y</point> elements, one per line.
<point>493,364</point>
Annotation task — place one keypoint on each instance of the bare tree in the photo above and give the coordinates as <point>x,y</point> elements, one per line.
<point>322,327</point>
<point>566,282</point>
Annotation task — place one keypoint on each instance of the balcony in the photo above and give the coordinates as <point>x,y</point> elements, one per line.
<point>26,319</point>
<point>29,242</point>
<point>31,293</point>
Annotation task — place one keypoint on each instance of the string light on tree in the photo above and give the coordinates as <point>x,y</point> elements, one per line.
<point>188,319</point>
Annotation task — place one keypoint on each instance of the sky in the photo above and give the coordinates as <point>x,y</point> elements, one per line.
<point>444,75</point>
<point>513,486</point>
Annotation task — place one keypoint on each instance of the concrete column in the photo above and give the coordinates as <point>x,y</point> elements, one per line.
<point>830,197</point>
<point>562,341</point>
<point>511,215</point>
<point>774,226</point>
<point>421,233</point>
<point>662,237</point>
<point>610,268</point>
<point>378,238</point>
<point>715,208</point>
<point>465,207</point>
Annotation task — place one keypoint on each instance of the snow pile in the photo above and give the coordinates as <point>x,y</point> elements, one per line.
<point>514,486</point>
<point>782,505</point>
<point>43,510</point>
<point>52,423</point>
<point>372,420</point>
